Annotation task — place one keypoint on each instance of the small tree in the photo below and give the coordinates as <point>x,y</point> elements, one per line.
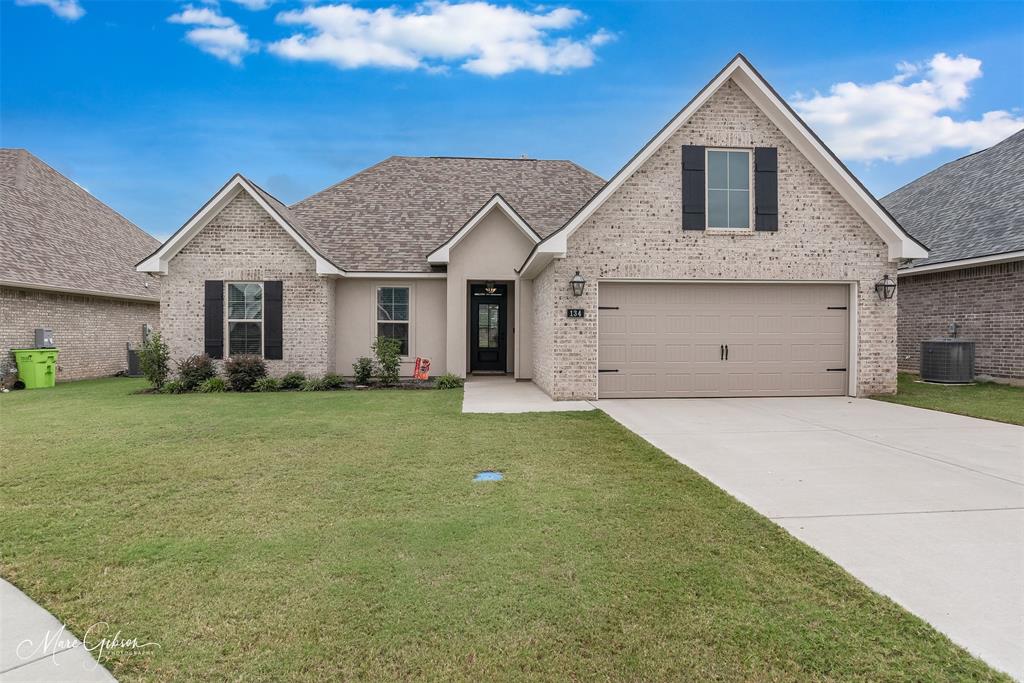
<point>155,360</point>
<point>388,352</point>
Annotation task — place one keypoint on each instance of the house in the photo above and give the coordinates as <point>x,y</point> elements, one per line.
<point>970,212</point>
<point>733,255</point>
<point>68,265</point>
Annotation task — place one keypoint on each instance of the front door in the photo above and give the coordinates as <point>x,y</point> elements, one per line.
<point>487,328</point>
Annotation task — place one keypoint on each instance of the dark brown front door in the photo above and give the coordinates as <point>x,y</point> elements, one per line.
<point>487,327</point>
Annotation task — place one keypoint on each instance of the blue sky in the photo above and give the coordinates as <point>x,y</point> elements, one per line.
<point>152,115</point>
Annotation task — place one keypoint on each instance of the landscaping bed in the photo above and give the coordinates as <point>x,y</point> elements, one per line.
<point>340,535</point>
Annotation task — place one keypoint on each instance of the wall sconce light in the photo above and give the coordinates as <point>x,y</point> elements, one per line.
<point>885,287</point>
<point>578,283</point>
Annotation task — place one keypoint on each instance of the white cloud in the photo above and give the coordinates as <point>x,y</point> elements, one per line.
<point>906,116</point>
<point>214,34</point>
<point>254,5</point>
<point>65,9</point>
<point>478,36</point>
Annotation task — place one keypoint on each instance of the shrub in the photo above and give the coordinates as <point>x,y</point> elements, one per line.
<point>449,381</point>
<point>244,371</point>
<point>195,370</point>
<point>334,381</point>
<point>213,385</point>
<point>267,384</point>
<point>154,359</point>
<point>174,387</point>
<point>314,384</point>
<point>363,370</point>
<point>387,351</point>
<point>293,380</point>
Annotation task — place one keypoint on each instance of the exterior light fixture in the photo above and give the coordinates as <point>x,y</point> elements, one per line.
<point>885,287</point>
<point>490,288</point>
<point>578,283</point>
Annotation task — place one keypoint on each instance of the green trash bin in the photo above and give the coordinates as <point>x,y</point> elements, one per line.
<point>37,368</point>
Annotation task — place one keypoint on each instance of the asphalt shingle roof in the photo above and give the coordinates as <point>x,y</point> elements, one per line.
<point>55,234</point>
<point>970,207</point>
<point>390,216</point>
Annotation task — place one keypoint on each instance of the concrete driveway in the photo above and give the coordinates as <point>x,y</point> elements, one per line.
<point>922,506</point>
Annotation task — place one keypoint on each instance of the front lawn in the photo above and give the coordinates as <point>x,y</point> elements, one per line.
<point>987,400</point>
<point>338,535</point>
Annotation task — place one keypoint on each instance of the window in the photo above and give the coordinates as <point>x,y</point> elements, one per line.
<point>393,315</point>
<point>728,176</point>
<point>245,318</point>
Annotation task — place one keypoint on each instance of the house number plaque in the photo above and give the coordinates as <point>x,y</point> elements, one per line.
<point>574,313</point>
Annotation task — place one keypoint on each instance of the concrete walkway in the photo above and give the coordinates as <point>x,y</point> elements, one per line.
<point>503,394</point>
<point>36,648</point>
<point>922,506</point>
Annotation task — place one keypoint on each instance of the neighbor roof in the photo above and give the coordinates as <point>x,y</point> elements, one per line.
<point>391,216</point>
<point>58,236</point>
<point>968,208</point>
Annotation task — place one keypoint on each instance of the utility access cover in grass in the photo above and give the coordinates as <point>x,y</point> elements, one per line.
<point>488,475</point>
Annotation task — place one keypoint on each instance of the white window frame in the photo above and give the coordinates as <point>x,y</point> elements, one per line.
<point>407,322</point>
<point>750,187</point>
<point>228,319</point>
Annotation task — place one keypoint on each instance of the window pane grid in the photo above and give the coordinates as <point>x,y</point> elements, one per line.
<point>393,315</point>
<point>245,318</point>
<point>728,180</point>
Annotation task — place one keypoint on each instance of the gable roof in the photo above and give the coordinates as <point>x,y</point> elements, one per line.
<point>742,72</point>
<point>59,237</point>
<point>425,201</point>
<point>969,208</point>
<point>157,261</point>
<point>497,203</point>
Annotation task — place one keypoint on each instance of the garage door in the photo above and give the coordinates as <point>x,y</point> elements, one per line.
<point>666,340</point>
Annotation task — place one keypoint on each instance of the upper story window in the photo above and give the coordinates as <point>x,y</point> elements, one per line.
<point>393,315</point>
<point>245,318</point>
<point>728,183</point>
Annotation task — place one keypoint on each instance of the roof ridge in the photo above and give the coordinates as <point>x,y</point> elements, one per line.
<point>28,154</point>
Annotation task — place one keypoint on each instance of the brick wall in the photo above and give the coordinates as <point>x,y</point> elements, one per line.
<point>637,234</point>
<point>243,243</point>
<point>988,304</point>
<point>90,331</point>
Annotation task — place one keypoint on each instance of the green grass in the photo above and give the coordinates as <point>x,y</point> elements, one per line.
<point>312,536</point>
<point>987,400</point>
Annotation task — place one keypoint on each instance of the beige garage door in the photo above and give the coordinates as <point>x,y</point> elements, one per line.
<point>665,340</point>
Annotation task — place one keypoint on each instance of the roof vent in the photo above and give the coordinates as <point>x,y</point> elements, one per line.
<point>949,361</point>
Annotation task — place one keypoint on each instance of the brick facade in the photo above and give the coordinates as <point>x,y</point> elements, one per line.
<point>637,234</point>
<point>90,331</point>
<point>988,304</point>
<point>244,243</point>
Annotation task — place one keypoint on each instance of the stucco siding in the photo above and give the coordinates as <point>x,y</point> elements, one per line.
<point>637,234</point>
<point>243,243</point>
<point>90,331</point>
<point>356,306</point>
<point>986,302</point>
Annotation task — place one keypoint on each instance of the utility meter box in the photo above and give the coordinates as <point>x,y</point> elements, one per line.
<point>44,338</point>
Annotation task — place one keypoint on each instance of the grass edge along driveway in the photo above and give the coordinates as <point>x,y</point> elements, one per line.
<point>986,400</point>
<point>337,535</point>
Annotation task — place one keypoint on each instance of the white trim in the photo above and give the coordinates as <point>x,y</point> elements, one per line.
<point>962,263</point>
<point>14,284</point>
<point>158,261</point>
<point>390,276</point>
<point>410,337</point>
<point>228,319</point>
<point>441,255</point>
<point>901,245</point>
<point>851,389</point>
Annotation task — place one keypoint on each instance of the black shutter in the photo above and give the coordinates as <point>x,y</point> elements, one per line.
<point>766,188</point>
<point>693,187</point>
<point>273,320</point>
<point>214,315</point>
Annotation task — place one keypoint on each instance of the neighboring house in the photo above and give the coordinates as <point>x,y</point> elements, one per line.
<point>970,213</point>
<point>733,255</point>
<point>67,264</point>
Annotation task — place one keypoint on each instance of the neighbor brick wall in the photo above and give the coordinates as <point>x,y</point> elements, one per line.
<point>987,302</point>
<point>243,243</point>
<point>90,331</point>
<point>637,234</point>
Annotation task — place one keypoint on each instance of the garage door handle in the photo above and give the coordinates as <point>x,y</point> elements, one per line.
<point>727,352</point>
<point>721,352</point>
